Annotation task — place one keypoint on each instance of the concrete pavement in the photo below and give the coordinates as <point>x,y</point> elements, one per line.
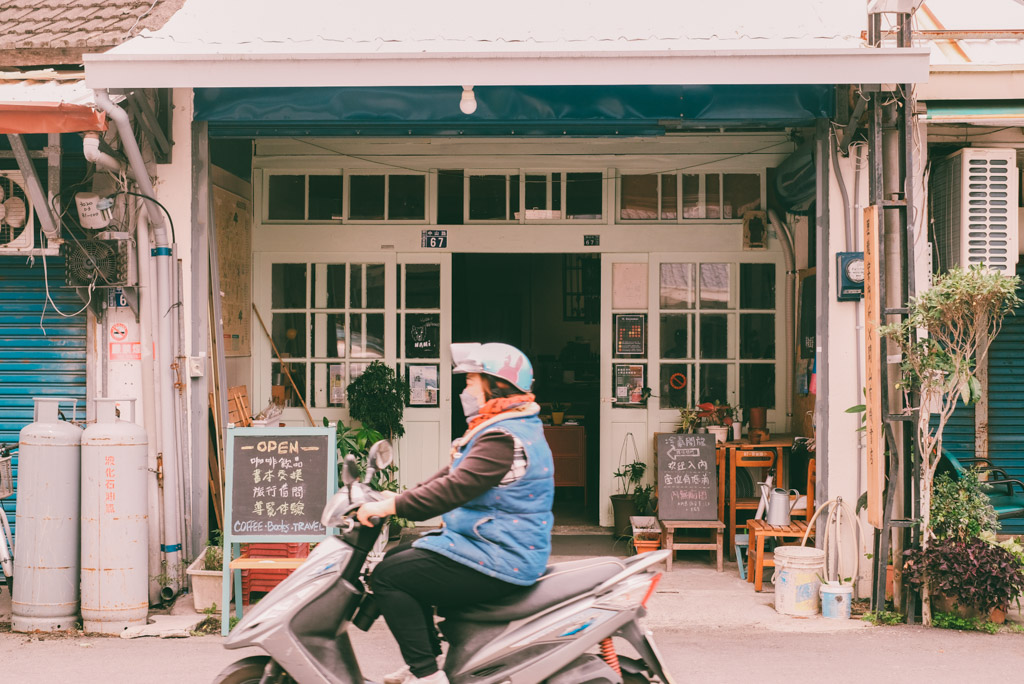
<point>711,627</point>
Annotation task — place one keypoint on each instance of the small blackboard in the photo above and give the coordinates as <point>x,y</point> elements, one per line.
<point>278,482</point>
<point>687,477</point>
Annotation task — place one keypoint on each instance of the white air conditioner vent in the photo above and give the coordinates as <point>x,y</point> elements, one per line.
<point>973,203</point>
<point>17,216</point>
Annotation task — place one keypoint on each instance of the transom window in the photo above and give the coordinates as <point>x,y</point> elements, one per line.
<point>328,325</point>
<point>353,196</point>
<point>717,323</point>
<point>675,197</point>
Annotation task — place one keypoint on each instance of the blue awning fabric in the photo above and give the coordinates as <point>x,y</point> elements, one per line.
<point>501,110</point>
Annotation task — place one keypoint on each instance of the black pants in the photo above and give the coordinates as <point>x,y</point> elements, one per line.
<point>410,582</point>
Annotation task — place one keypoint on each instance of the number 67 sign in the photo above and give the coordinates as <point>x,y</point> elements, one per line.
<point>434,239</point>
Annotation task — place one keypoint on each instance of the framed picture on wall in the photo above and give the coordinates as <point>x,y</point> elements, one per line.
<point>423,383</point>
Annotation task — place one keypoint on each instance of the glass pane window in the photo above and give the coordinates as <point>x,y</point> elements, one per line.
<point>422,286</point>
<point>367,331</point>
<point>677,336</point>
<point>366,286</point>
<point>288,286</point>
<point>536,192</point>
<point>757,384</point>
<point>676,385</point>
<point>714,286</point>
<point>288,331</point>
<point>286,198</point>
<point>677,286</point>
<point>366,198</point>
<point>488,198</point>
<point>741,192</point>
<point>669,205</point>
<point>757,336</point>
<point>584,195</point>
<point>692,206</point>
<point>422,335</point>
<point>325,194</point>
<point>712,196</point>
<point>714,383</point>
<point>281,387</point>
<point>757,286</point>
<point>714,336</point>
<point>407,198</point>
<point>638,200</point>
<point>333,286</point>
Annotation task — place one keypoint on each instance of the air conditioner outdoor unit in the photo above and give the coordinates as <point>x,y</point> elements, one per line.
<point>973,201</point>
<point>17,216</point>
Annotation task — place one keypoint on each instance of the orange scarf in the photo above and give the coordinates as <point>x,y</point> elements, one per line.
<point>500,405</point>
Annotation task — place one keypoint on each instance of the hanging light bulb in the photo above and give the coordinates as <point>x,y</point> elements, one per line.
<point>468,103</point>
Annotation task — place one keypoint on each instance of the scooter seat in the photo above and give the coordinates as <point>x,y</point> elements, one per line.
<point>560,582</point>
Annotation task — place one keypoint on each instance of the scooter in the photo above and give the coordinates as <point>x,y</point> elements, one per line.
<point>558,631</point>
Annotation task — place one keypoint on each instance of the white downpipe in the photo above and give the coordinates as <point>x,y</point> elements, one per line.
<point>792,334</point>
<point>148,404</point>
<point>92,153</point>
<point>162,255</point>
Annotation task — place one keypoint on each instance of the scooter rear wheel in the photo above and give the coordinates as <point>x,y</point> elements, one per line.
<point>247,671</point>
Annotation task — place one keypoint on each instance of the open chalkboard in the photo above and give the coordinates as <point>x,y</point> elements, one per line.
<point>687,477</point>
<point>278,482</point>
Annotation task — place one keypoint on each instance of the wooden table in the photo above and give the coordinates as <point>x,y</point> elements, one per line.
<point>668,541</point>
<point>757,559</point>
<point>778,443</point>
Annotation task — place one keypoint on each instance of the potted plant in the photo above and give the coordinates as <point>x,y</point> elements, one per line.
<point>718,419</point>
<point>557,413</point>
<point>377,399</point>
<point>624,504</point>
<point>646,533</point>
<point>206,573</point>
<point>688,419</point>
<point>960,314</point>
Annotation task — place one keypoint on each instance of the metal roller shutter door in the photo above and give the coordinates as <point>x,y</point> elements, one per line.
<point>36,359</point>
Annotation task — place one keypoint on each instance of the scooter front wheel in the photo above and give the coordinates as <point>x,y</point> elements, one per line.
<point>249,671</point>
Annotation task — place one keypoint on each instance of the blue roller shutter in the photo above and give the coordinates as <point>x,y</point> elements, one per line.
<point>1006,402</point>
<point>37,358</point>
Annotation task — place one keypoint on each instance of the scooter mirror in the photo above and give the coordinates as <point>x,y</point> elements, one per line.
<point>349,471</point>
<point>381,454</point>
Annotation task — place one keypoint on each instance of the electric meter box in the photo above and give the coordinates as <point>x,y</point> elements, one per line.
<point>850,283</point>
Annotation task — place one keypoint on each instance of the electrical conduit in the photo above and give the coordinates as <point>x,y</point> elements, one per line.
<point>162,254</point>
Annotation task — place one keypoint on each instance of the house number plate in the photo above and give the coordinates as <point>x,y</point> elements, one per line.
<point>434,239</point>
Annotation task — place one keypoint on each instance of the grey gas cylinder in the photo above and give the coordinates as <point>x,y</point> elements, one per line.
<point>115,527</point>
<point>47,521</point>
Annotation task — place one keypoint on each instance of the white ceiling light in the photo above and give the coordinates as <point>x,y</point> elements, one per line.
<point>468,103</point>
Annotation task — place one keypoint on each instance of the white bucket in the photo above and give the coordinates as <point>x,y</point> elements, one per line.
<point>798,571</point>
<point>836,600</point>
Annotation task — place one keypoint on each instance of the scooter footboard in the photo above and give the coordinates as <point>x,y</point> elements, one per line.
<point>643,641</point>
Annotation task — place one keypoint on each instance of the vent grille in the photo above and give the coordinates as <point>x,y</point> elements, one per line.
<point>17,217</point>
<point>974,210</point>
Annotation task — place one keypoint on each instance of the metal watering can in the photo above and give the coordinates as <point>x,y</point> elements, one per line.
<point>778,504</point>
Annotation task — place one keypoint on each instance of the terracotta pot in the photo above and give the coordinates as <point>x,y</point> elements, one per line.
<point>645,545</point>
<point>758,417</point>
<point>997,615</point>
<point>944,604</point>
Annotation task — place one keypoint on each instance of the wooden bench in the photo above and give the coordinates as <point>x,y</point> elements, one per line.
<point>714,544</point>
<point>757,558</point>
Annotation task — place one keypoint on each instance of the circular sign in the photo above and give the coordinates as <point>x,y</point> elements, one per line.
<point>677,381</point>
<point>855,270</point>
<point>118,331</point>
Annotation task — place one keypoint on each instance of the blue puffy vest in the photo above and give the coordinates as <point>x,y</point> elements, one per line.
<point>506,531</point>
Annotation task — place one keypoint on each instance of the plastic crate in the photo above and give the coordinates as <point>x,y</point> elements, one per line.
<point>6,477</point>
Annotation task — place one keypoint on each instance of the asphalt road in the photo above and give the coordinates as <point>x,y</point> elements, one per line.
<point>696,654</point>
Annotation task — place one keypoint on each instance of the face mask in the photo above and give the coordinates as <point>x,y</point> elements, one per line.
<point>470,404</point>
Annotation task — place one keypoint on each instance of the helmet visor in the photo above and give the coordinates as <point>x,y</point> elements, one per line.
<point>466,357</point>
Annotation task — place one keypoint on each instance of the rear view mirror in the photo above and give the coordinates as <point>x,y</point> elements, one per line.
<point>381,454</point>
<point>349,470</point>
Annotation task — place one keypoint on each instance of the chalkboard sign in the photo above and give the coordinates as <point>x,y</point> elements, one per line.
<point>687,477</point>
<point>279,480</point>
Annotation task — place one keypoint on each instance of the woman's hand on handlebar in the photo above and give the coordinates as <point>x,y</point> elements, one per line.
<point>378,509</point>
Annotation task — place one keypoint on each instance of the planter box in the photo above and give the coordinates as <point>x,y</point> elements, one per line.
<point>645,528</point>
<point>206,585</point>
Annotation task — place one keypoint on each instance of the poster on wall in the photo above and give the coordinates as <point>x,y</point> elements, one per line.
<point>629,381</point>
<point>337,384</point>
<point>232,215</point>
<point>630,334</point>
<point>423,385</point>
<point>422,336</point>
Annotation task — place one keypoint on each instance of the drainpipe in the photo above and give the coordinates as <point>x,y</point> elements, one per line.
<point>149,394</point>
<point>789,317</point>
<point>91,151</point>
<point>162,254</point>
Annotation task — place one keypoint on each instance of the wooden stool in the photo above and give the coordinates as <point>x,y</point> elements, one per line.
<point>757,559</point>
<point>715,543</point>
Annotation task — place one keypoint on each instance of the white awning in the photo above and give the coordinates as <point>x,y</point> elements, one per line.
<point>262,43</point>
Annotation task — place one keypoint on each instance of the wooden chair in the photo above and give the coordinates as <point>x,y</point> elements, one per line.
<point>745,457</point>
<point>808,508</point>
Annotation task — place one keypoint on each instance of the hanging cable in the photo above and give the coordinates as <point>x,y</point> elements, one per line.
<point>157,203</point>
<point>46,285</point>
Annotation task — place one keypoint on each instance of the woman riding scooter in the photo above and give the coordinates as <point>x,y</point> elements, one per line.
<point>496,498</point>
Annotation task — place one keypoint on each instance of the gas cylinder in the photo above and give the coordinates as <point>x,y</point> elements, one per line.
<point>47,521</point>
<point>115,526</point>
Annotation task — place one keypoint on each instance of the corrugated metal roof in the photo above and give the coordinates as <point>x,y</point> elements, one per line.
<point>45,86</point>
<point>267,26</point>
<point>981,16</point>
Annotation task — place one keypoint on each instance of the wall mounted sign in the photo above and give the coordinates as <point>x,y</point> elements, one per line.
<point>630,334</point>
<point>591,240</point>
<point>434,239</point>
<point>630,380</point>
<point>422,336</point>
